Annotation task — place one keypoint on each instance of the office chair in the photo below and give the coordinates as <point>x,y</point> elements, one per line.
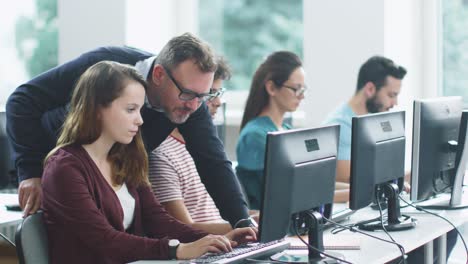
<point>31,240</point>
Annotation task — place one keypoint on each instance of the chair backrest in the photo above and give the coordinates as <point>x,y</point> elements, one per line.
<point>31,240</point>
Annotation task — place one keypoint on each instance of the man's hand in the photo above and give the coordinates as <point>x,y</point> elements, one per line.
<point>30,195</point>
<point>406,187</point>
<point>242,235</point>
<point>406,184</point>
<point>209,243</point>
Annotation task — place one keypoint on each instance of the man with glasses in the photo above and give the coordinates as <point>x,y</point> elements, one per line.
<point>174,177</point>
<point>179,81</point>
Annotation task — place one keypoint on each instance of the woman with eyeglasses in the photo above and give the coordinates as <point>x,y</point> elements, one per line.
<point>174,177</point>
<point>277,87</point>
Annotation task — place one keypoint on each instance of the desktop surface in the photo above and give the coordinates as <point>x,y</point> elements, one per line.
<point>9,220</point>
<point>371,250</point>
<point>9,217</point>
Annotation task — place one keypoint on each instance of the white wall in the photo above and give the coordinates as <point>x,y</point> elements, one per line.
<point>146,24</point>
<point>411,39</point>
<point>338,37</point>
<point>151,23</point>
<point>86,24</point>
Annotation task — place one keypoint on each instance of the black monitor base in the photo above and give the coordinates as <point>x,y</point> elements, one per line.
<point>396,221</point>
<point>304,258</point>
<point>404,223</point>
<point>445,203</point>
<point>313,220</point>
<point>444,207</point>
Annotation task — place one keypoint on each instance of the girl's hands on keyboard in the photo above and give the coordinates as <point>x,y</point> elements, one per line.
<point>242,235</point>
<point>209,243</point>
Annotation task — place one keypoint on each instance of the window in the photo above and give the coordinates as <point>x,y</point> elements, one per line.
<point>29,43</point>
<point>246,31</point>
<point>455,48</point>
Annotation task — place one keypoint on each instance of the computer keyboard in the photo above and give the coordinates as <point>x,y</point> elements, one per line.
<point>242,252</point>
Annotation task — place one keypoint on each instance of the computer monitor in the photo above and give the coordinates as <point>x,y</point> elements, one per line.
<point>377,163</point>
<point>7,168</point>
<point>439,150</point>
<point>299,178</point>
<point>461,161</point>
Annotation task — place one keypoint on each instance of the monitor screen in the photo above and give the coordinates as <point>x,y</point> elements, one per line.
<point>435,135</point>
<point>299,175</point>
<point>377,154</point>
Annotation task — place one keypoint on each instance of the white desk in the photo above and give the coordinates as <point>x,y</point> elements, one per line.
<point>9,219</point>
<point>429,228</point>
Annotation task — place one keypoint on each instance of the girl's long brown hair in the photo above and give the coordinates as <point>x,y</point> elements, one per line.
<point>97,88</point>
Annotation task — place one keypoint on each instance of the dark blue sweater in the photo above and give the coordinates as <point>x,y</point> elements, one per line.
<point>36,110</point>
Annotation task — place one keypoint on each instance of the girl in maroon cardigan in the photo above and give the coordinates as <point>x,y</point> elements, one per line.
<point>98,204</point>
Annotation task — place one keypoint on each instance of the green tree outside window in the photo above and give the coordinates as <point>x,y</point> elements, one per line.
<point>246,31</point>
<point>455,48</point>
<point>36,38</point>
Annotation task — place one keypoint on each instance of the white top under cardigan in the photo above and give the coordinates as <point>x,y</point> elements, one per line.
<point>128,205</point>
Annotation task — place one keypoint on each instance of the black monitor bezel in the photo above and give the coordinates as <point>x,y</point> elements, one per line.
<point>442,113</point>
<point>365,139</point>
<point>275,216</point>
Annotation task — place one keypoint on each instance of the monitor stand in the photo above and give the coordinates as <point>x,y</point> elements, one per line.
<point>446,201</point>
<point>380,203</point>
<point>313,220</point>
<point>396,221</point>
<point>458,200</point>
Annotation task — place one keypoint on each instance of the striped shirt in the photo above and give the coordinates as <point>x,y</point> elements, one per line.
<point>173,176</point>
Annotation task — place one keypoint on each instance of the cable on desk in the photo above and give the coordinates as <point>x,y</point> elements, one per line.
<point>354,229</point>
<point>8,240</point>
<point>342,228</point>
<point>400,247</point>
<point>434,214</point>
<point>314,248</point>
<point>419,201</point>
